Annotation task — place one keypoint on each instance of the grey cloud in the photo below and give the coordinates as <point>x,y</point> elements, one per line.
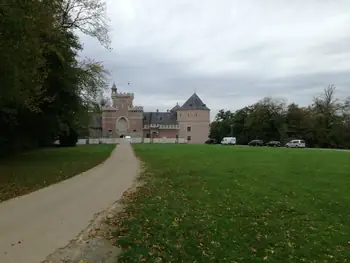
<point>232,53</point>
<point>335,47</point>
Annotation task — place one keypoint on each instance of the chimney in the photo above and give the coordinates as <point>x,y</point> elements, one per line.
<point>157,110</point>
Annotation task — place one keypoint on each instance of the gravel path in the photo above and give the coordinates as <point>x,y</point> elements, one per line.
<point>35,225</point>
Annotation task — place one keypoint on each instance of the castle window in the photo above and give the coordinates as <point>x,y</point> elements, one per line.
<point>134,130</point>
<point>160,118</point>
<point>188,138</point>
<point>188,128</point>
<point>196,114</point>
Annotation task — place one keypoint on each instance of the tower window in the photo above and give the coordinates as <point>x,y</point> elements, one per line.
<point>188,128</point>
<point>188,138</point>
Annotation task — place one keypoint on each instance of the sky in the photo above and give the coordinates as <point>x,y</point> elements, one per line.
<point>231,53</point>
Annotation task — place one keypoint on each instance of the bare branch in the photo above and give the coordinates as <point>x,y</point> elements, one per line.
<point>87,16</point>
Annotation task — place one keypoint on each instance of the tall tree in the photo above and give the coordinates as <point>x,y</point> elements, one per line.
<point>47,89</point>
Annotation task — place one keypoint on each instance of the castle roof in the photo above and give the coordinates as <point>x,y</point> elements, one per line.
<point>176,107</point>
<point>194,103</point>
<point>166,118</point>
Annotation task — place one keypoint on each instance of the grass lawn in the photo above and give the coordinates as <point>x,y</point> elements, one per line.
<point>29,171</point>
<point>209,203</point>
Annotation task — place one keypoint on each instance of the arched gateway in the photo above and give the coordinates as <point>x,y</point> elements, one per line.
<point>122,126</point>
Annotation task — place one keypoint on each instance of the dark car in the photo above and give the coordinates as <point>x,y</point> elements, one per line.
<point>256,143</point>
<point>210,141</point>
<point>273,144</point>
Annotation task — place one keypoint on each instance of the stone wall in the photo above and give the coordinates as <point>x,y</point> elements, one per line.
<point>194,125</point>
<point>133,140</point>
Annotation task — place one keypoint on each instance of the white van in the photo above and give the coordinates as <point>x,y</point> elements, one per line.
<point>228,141</point>
<point>296,144</point>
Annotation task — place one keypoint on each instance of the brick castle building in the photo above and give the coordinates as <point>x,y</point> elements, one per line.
<point>189,121</point>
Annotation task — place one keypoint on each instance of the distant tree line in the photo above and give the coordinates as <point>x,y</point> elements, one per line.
<point>46,91</point>
<point>325,123</point>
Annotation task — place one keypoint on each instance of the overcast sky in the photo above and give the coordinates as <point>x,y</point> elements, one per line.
<point>232,53</point>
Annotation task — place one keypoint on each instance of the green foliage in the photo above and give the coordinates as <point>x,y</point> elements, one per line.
<point>209,203</point>
<point>68,138</point>
<point>325,123</point>
<point>46,91</point>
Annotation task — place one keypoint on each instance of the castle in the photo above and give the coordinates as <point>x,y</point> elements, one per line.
<point>189,121</point>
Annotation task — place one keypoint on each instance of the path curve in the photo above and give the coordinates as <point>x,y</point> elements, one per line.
<point>35,225</point>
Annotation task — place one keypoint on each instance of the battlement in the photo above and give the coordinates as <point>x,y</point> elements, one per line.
<point>109,108</point>
<point>122,95</point>
<point>136,109</point>
<point>162,126</point>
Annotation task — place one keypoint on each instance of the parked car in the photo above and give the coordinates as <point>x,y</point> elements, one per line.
<point>256,143</point>
<point>211,141</point>
<point>228,141</point>
<point>296,144</point>
<point>273,144</point>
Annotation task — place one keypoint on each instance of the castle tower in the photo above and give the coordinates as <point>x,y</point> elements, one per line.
<point>123,118</point>
<point>194,119</point>
<point>121,100</point>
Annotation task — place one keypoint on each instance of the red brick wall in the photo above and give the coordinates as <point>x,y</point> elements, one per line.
<point>167,133</point>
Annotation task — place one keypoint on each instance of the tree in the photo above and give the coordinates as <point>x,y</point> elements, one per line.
<point>87,16</point>
<point>47,91</point>
<point>92,82</point>
<point>326,109</point>
<point>325,123</point>
<point>221,127</point>
<point>100,102</point>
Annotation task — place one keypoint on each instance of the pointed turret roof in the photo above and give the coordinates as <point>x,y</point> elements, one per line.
<point>194,103</point>
<point>176,107</point>
<point>114,87</point>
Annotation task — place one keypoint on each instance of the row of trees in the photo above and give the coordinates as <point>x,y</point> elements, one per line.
<point>325,123</point>
<point>46,90</point>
